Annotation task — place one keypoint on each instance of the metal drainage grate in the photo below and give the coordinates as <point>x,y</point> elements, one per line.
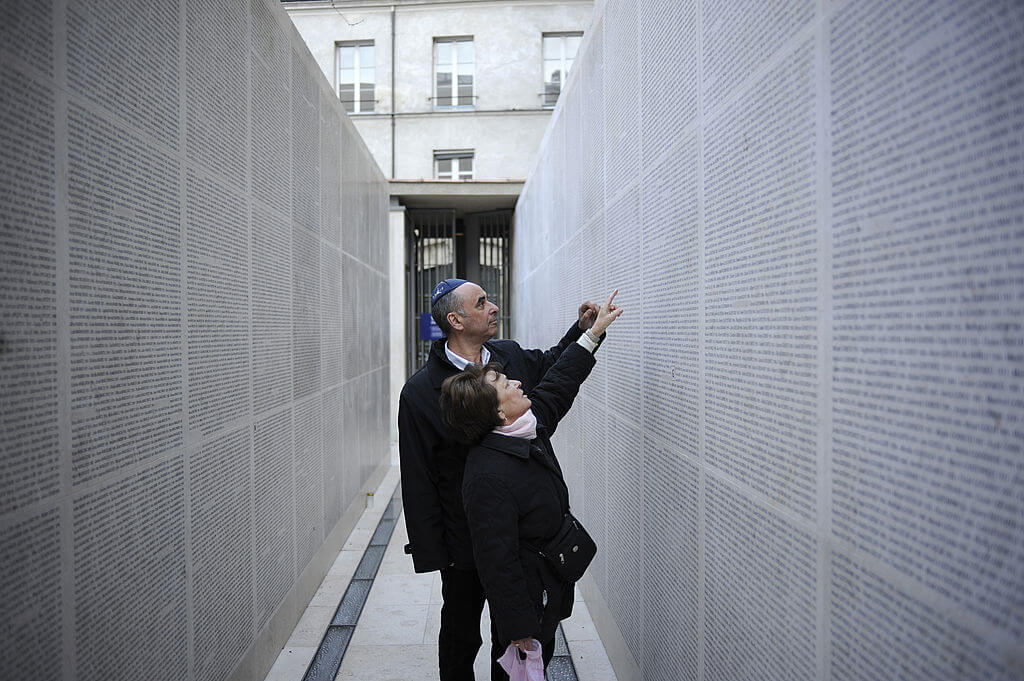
<point>327,661</point>
<point>561,667</point>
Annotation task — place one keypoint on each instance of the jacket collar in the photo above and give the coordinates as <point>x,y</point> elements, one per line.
<point>521,449</point>
<point>516,446</point>
<point>439,367</point>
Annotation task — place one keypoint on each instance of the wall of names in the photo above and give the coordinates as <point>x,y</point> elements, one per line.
<point>192,371</point>
<point>802,449</point>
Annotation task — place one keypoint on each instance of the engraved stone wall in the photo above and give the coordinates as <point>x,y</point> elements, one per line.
<point>193,332</point>
<point>802,449</point>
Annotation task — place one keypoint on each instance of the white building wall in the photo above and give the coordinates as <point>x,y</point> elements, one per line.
<point>321,26</point>
<point>376,133</point>
<point>487,134</point>
<point>508,77</point>
<point>507,49</point>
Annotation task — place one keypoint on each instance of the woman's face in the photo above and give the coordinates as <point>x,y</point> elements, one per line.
<point>511,400</point>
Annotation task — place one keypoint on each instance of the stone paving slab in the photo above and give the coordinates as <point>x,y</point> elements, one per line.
<point>395,638</point>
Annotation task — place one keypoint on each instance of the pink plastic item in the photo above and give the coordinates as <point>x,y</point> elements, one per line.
<point>530,669</point>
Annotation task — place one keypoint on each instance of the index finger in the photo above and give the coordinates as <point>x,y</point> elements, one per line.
<point>611,298</point>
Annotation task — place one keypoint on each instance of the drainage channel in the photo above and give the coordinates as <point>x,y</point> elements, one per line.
<point>327,661</point>
<point>561,667</point>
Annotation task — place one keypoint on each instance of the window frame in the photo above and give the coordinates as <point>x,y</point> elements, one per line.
<point>455,155</point>
<point>455,97</point>
<point>562,35</point>
<point>357,101</point>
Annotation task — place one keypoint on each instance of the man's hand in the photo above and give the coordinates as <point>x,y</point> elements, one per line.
<point>588,313</point>
<point>608,313</point>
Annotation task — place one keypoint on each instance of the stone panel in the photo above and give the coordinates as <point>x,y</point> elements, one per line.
<point>309,480</point>
<point>274,494</point>
<point>271,310</point>
<point>123,57</point>
<point>761,286</point>
<point>928,284</point>
<point>879,631</point>
<point>126,297</point>
<point>761,591</point>
<point>217,295</point>
<point>28,292</point>
<point>31,591</point>
<point>221,495</point>
<point>217,106</point>
<point>129,577</point>
<point>671,566</point>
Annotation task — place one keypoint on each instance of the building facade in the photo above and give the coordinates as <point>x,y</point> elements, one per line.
<point>452,97</point>
<point>451,90</point>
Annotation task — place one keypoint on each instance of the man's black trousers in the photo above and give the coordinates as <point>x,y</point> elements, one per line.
<point>459,641</point>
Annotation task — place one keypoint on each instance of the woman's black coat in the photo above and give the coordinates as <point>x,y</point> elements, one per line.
<point>433,463</point>
<point>513,492</point>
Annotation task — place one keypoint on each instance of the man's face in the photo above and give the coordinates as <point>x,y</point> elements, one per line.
<point>479,320</point>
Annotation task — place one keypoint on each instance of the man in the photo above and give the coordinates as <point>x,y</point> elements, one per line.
<point>432,464</point>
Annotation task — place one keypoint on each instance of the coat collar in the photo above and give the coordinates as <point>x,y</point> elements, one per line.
<point>516,446</point>
<point>524,449</point>
<point>439,367</point>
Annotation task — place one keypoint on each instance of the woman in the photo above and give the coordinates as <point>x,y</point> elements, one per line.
<point>513,490</point>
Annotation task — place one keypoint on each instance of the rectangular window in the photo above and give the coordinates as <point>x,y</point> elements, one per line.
<point>559,54</point>
<point>356,76</point>
<point>453,165</point>
<point>453,72</point>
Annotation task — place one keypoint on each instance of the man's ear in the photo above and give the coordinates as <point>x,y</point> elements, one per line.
<point>455,321</point>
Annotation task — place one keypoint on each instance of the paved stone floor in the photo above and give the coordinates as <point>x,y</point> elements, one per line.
<point>395,638</point>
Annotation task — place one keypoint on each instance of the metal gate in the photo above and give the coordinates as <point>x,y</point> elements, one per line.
<point>476,247</point>
<point>495,230</point>
<point>432,245</point>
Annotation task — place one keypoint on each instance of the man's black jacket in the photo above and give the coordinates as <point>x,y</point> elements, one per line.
<point>432,463</point>
<point>515,497</point>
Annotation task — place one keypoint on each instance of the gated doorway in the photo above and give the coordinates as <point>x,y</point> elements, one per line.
<point>442,244</point>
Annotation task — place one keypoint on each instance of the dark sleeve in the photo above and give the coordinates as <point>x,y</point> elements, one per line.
<point>493,517</point>
<point>554,395</point>
<point>537,362</point>
<point>416,441</point>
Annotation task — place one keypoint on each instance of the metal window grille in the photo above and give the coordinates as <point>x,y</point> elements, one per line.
<point>432,258</point>
<point>433,254</point>
<point>495,264</point>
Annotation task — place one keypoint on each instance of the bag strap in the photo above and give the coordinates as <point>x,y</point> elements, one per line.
<point>540,553</point>
<point>533,548</point>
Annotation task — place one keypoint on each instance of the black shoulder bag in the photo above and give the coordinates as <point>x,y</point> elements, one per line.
<point>570,551</point>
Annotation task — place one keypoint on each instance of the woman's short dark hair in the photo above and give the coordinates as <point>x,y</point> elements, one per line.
<point>469,404</point>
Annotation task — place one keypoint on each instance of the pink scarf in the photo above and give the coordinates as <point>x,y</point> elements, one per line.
<point>525,427</point>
